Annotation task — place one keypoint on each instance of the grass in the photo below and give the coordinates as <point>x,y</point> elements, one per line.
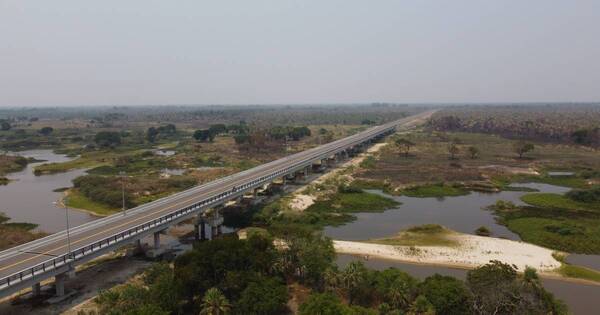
<point>549,200</point>
<point>423,235</point>
<point>15,233</point>
<point>576,235</point>
<point>579,272</point>
<point>51,168</point>
<point>353,202</point>
<point>334,210</point>
<point>368,162</point>
<point>79,201</point>
<point>436,190</point>
<point>565,181</point>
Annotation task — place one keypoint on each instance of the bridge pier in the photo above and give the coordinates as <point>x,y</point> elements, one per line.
<point>156,240</point>
<point>36,290</point>
<point>59,282</point>
<point>200,228</point>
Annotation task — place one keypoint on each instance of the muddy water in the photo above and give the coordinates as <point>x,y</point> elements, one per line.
<point>29,198</point>
<point>581,298</point>
<point>463,213</point>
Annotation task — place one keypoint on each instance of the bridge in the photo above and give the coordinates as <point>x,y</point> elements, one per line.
<point>28,264</point>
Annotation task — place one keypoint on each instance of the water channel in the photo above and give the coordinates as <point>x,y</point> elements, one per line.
<point>581,299</point>
<point>30,198</point>
<point>463,214</point>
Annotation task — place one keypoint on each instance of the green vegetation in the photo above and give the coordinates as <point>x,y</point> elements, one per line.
<point>576,235</point>
<point>423,235</point>
<point>368,162</point>
<point>15,233</point>
<point>565,181</point>
<point>251,276</point>
<point>103,195</point>
<point>483,231</point>
<point>561,229</point>
<point>549,200</point>
<point>78,201</point>
<point>9,164</point>
<point>579,272</point>
<point>334,210</point>
<point>435,190</point>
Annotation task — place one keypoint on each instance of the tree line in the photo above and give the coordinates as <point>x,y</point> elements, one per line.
<point>252,276</point>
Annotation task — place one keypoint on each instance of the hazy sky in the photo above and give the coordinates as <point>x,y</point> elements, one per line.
<point>236,52</point>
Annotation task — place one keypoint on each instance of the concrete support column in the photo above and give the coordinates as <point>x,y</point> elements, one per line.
<point>156,240</point>
<point>203,231</point>
<point>197,231</point>
<point>36,289</point>
<point>214,231</point>
<point>59,283</point>
<point>255,193</point>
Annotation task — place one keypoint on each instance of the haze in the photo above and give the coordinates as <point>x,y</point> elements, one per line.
<point>243,52</point>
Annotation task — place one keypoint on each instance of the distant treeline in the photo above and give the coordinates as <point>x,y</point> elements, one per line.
<point>578,124</point>
<point>202,116</point>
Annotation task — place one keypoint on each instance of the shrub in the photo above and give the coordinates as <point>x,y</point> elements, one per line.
<point>483,231</point>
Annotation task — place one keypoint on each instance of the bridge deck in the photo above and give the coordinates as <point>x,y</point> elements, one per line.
<point>26,256</point>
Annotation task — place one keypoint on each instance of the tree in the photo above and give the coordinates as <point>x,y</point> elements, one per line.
<point>395,286</point>
<point>266,296</point>
<point>321,304</point>
<point>46,131</point>
<point>307,257</point>
<point>453,150</point>
<point>352,279</point>
<point>447,294</point>
<point>217,129</point>
<point>522,147</point>
<point>5,125</point>
<point>107,138</point>
<point>404,145</point>
<point>494,288</point>
<point>203,135</point>
<point>214,303</point>
<point>151,134</point>
<point>473,152</point>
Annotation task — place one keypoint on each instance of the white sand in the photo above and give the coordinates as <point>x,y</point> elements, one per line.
<point>472,252</point>
<point>300,201</point>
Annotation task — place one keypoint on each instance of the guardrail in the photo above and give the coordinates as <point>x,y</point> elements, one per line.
<point>131,233</point>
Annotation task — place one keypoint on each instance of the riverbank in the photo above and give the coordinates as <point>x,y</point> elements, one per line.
<point>471,252</point>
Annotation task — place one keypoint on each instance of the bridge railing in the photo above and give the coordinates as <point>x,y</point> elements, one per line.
<point>130,233</point>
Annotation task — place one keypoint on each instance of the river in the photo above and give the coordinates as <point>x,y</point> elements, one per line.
<point>582,299</point>
<point>464,214</point>
<point>30,198</point>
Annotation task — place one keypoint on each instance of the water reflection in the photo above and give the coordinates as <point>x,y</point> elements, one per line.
<point>29,198</point>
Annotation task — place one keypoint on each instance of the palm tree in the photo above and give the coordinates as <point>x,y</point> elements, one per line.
<point>214,303</point>
<point>352,278</point>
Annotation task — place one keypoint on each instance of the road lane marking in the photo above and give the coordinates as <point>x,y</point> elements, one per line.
<point>126,223</point>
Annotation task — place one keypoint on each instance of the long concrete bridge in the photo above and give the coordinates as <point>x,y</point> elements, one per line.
<point>28,264</point>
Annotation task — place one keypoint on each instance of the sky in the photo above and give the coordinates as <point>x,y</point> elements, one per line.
<point>141,52</point>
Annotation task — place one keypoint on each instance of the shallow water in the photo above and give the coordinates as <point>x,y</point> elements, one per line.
<point>581,298</point>
<point>463,214</point>
<point>29,198</point>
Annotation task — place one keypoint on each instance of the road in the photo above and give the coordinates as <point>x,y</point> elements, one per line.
<point>26,256</point>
